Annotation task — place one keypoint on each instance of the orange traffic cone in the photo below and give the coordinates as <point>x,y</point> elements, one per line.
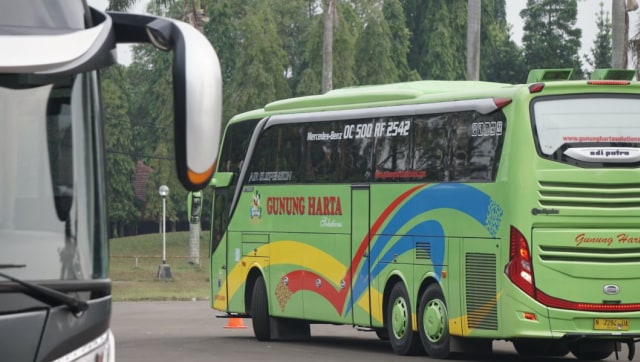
<point>235,323</point>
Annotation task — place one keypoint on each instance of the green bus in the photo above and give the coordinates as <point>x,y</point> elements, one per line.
<point>442,215</point>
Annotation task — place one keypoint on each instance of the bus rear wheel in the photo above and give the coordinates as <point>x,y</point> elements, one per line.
<point>260,311</point>
<point>590,350</point>
<point>404,340</point>
<point>433,323</point>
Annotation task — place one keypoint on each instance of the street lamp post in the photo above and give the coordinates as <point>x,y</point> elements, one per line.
<point>164,271</point>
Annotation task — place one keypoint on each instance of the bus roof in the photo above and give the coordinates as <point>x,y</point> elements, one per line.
<point>425,91</point>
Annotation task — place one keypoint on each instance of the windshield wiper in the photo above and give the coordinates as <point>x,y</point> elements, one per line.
<point>46,295</point>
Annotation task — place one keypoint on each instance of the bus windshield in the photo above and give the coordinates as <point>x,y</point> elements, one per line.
<point>48,208</point>
<point>590,129</point>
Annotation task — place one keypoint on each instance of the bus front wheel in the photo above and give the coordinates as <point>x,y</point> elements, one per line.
<point>404,340</point>
<point>260,311</point>
<point>433,322</point>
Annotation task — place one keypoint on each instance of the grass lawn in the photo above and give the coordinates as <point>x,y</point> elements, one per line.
<point>134,265</point>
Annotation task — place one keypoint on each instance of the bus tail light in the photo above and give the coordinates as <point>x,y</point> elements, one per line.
<point>608,82</point>
<point>501,102</point>
<point>519,269</point>
<point>536,88</point>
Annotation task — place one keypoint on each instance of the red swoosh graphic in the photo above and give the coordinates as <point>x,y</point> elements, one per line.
<point>306,280</point>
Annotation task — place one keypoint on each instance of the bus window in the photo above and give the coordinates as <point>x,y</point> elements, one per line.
<point>462,146</point>
<point>393,152</point>
<point>276,158</point>
<point>235,145</point>
<point>321,152</point>
<point>431,135</point>
<point>485,148</point>
<point>355,156</point>
<point>477,142</point>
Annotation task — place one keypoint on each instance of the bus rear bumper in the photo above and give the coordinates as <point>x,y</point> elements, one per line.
<point>524,317</point>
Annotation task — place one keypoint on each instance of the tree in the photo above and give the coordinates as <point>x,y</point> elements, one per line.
<point>618,34</point>
<point>343,69</point>
<point>550,38</point>
<point>374,51</point>
<point>262,64</point>
<point>502,59</point>
<point>294,19</point>
<point>118,138</point>
<point>400,34</point>
<point>121,5</point>
<point>415,12</point>
<point>473,39</point>
<point>344,45</point>
<point>327,47</point>
<point>601,55</point>
<point>436,42</point>
<point>634,43</point>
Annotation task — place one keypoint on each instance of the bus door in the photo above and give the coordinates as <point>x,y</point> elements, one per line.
<point>218,247</point>
<point>360,278</point>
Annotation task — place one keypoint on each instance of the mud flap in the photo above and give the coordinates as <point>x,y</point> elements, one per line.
<point>289,329</point>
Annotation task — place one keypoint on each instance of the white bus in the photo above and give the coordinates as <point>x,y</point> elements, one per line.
<point>55,292</point>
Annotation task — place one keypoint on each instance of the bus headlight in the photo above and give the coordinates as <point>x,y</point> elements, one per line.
<point>101,349</point>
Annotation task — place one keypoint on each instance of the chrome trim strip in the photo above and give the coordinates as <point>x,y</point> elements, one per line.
<point>604,154</point>
<point>483,106</point>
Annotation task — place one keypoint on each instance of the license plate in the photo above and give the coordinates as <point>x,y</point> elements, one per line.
<point>608,324</point>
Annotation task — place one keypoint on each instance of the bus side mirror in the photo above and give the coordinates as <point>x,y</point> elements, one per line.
<point>194,206</point>
<point>197,90</point>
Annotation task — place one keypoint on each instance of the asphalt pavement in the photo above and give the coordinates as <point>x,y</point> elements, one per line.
<point>190,331</point>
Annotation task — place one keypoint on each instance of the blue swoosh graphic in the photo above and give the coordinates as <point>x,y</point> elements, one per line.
<point>460,197</point>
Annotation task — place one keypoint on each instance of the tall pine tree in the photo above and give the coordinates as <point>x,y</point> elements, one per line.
<point>550,38</point>
<point>501,59</point>
<point>400,34</point>
<point>601,51</point>
<point>374,54</point>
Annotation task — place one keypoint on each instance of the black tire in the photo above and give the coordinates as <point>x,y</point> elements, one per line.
<point>433,323</point>
<point>529,347</point>
<point>590,350</point>
<point>260,311</point>
<point>403,339</point>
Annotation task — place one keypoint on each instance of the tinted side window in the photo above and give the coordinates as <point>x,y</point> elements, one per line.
<point>235,145</point>
<point>457,146</point>
<point>413,148</point>
<point>277,156</point>
<point>477,146</point>
<point>431,139</point>
<point>355,161</point>
<point>322,145</point>
<point>338,151</point>
<point>393,152</point>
